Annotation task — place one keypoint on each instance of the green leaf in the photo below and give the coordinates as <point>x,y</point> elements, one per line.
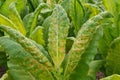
<point>24,12</point>
<point>5,21</point>
<point>106,39</point>
<point>112,77</point>
<point>34,3</point>
<point>85,45</point>
<point>69,43</point>
<point>113,6</point>
<point>45,13</point>
<point>112,60</point>
<point>33,17</point>
<point>110,8</point>
<point>15,17</point>
<point>55,31</point>
<point>66,5</point>
<point>20,4</point>
<point>94,67</point>
<point>26,20</point>
<point>93,9</point>
<point>1,2</point>
<point>21,64</point>
<point>77,14</point>
<point>37,35</point>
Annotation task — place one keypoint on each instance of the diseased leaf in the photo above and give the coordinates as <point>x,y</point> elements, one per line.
<point>85,37</point>
<point>55,31</point>
<point>87,57</point>
<point>27,44</point>
<point>41,48</point>
<point>21,64</point>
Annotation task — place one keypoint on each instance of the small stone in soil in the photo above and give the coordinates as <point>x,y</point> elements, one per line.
<point>99,75</point>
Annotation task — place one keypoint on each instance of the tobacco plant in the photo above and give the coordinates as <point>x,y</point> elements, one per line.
<point>59,39</point>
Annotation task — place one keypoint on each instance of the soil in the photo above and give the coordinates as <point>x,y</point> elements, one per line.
<point>2,70</point>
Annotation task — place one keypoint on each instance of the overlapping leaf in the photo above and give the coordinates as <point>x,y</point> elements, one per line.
<point>86,37</point>
<point>30,21</point>
<point>21,64</point>
<point>27,44</point>
<point>114,9</point>
<point>77,14</point>
<point>20,4</point>
<point>15,17</point>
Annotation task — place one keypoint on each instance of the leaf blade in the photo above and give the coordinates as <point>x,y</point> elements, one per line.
<point>81,42</point>
<point>21,64</point>
<point>112,65</point>
<point>57,27</point>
